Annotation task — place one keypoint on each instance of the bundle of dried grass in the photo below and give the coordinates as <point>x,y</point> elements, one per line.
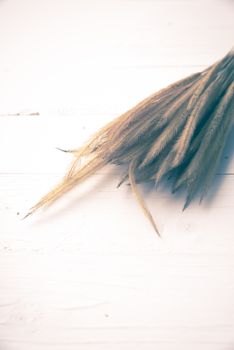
<point>179,131</point>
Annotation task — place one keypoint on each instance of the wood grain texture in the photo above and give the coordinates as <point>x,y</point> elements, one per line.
<point>89,273</point>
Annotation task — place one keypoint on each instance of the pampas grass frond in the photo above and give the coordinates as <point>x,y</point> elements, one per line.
<point>179,131</point>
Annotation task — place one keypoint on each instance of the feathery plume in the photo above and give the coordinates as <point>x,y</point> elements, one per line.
<point>179,131</point>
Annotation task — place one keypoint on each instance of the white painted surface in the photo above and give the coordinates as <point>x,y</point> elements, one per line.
<point>89,272</point>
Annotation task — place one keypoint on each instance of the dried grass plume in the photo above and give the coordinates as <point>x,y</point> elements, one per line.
<point>179,131</point>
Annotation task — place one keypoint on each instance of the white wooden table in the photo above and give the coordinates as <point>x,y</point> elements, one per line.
<point>89,272</point>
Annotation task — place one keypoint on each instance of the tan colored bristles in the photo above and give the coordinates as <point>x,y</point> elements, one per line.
<point>69,182</point>
<point>138,196</point>
<point>179,131</point>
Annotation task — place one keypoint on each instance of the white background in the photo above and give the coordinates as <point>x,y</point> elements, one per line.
<point>89,272</point>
